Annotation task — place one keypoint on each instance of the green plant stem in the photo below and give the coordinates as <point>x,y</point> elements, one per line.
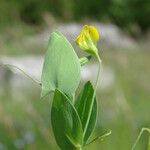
<point>100,137</point>
<point>79,148</point>
<point>148,146</point>
<point>94,94</point>
<point>23,72</point>
<point>138,138</point>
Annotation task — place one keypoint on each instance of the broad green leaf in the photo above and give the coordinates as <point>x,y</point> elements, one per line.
<point>83,104</point>
<point>61,67</point>
<point>84,60</point>
<point>66,123</point>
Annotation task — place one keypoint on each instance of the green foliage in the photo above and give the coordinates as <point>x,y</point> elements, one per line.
<point>25,112</point>
<point>119,14</point>
<point>96,9</point>
<point>72,123</point>
<point>66,123</point>
<point>61,67</point>
<point>140,10</point>
<point>122,12</point>
<point>83,104</point>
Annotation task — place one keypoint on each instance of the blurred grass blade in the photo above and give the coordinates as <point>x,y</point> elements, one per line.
<point>139,136</point>
<point>101,137</point>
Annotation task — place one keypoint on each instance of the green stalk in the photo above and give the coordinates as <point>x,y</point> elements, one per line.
<point>23,72</point>
<point>148,146</point>
<point>94,94</point>
<point>79,148</point>
<point>139,136</point>
<point>99,137</point>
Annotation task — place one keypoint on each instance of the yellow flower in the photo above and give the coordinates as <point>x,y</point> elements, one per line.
<point>87,39</point>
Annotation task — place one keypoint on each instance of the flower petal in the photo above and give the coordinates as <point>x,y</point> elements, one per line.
<point>93,33</point>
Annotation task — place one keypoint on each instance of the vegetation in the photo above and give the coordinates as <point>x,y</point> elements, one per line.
<point>25,121</point>
<point>124,13</point>
<point>124,108</point>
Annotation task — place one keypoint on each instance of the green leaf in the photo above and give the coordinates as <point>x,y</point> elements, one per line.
<point>61,67</point>
<point>85,60</point>
<point>66,123</point>
<point>83,104</point>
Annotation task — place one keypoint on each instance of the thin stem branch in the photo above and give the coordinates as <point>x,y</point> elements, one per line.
<point>100,137</point>
<point>94,94</point>
<point>148,145</point>
<point>138,138</point>
<point>23,72</point>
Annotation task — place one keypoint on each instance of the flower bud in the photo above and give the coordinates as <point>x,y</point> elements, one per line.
<point>87,39</point>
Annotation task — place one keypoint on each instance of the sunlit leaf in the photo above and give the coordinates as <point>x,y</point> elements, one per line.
<point>61,67</point>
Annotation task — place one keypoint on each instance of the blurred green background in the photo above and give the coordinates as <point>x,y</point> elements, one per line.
<point>124,96</point>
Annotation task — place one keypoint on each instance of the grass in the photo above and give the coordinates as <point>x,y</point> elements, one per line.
<point>123,107</point>
<point>17,40</point>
